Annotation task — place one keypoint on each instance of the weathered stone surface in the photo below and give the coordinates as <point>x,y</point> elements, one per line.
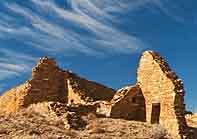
<point>128,103</point>
<point>158,96</point>
<point>71,114</point>
<point>164,94</point>
<point>12,100</point>
<point>83,91</point>
<point>50,83</point>
<point>61,108</point>
<point>103,108</point>
<point>47,84</point>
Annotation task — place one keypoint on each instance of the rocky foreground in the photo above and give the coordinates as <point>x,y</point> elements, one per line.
<point>38,124</point>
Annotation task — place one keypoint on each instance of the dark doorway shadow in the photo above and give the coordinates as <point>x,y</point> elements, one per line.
<point>155,114</point>
<point>194,132</point>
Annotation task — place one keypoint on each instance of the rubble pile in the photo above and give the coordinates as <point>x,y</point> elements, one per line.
<point>72,114</point>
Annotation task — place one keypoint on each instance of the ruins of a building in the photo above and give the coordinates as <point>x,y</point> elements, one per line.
<point>164,94</point>
<point>82,91</point>
<point>128,103</point>
<point>50,83</point>
<point>47,84</point>
<point>157,97</point>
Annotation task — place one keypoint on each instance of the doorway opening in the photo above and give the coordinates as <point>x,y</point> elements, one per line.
<point>155,115</point>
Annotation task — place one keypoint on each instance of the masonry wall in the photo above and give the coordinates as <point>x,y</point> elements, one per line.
<point>160,85</point>
<point>13,100</point>
<point>8,102</point>
<point>47,83</point>
<point>50,83</point>
<point>73,94</point>
<point>104,108</point>
<point>84,91</point>
<point>128,103</point>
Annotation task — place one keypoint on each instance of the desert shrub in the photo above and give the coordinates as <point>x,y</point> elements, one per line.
<point>94,125</point>
<point>158,132</point>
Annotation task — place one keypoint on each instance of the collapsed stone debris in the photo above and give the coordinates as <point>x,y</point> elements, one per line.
<point>50,83</point>
<point>157,97</point>
<point>70,114</point>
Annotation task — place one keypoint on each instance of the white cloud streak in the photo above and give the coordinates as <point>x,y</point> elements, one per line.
<point>84,14</point>
<point>14,64</point>
<point>44,34</point>
<point>45,26</point>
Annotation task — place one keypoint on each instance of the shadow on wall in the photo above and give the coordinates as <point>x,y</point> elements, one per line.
<point>129,104</point>
<point>194,130</point>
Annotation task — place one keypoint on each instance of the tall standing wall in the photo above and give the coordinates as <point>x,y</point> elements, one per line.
<point>160,85</point>
<point>48,83</point>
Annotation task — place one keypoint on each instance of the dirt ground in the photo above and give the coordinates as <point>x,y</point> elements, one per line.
<point>33,125</point>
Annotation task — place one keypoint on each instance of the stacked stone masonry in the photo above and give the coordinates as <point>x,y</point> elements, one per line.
<point>128,103</point>
<point>83,91</point>
<point>47,83</point>
<point>164,94</point>
<point>71,114</point>
<point>157,97</point>
<point>50,83</point>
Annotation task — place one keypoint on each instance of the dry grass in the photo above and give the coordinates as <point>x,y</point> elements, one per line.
<point>93,126</point>
<point>159,132</point>
<point>34,123</point>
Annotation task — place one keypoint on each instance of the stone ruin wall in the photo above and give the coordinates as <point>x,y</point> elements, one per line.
<point>13,100</point>
<point>8,101</point>
<point>84,91</point>
<point>128,103</point>
<point>50,83</point>
<point>73,94</point>
<point>103,108</point>
<point>160,84</point>
<point>47,83</point>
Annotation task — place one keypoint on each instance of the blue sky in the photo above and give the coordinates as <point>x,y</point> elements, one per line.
<point>101,40</point>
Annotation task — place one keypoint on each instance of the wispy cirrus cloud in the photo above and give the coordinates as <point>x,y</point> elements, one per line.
<point>49,26</point>
<point>84,15</point>
<point>90,27</point>
<point>14,63</point>
<point>84,26</point>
